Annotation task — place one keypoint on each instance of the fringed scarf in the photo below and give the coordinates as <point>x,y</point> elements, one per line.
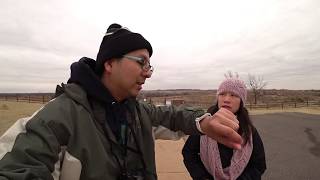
<point>210,156</point>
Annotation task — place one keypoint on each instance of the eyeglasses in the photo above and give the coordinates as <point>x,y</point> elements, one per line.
<point>145,65</point>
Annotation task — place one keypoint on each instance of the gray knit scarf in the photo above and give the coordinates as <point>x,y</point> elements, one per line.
<point>210,156</point>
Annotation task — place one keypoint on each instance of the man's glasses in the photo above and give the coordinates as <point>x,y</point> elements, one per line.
<point>145,65</point>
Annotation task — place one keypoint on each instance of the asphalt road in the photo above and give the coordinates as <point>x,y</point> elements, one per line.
<point>292,145</point>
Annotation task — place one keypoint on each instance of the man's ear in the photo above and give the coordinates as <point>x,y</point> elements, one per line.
<point>108,66</point>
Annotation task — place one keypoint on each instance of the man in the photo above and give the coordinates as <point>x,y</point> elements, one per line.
<point>96,129</point>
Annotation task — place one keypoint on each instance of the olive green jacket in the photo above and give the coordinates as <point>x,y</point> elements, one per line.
<point>69,139</point>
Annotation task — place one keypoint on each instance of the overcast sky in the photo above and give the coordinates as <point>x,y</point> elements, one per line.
<point>194,42</point>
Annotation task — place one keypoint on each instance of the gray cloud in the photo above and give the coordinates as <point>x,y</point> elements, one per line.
<point>40,39</point>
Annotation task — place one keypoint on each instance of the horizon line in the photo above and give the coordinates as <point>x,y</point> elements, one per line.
<point>166,90</point>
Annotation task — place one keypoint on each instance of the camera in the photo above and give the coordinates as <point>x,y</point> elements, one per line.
<point>132,175</point>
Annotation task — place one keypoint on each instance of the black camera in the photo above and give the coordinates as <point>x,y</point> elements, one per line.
<point>133,175</point>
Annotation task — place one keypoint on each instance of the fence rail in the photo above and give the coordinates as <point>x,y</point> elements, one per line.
<point>275,105</point>
<point>30,98</point>
<point>44,98</point>
<point>284,105</point>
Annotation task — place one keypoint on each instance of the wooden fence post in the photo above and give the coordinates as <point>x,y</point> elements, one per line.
<point>29,98</point>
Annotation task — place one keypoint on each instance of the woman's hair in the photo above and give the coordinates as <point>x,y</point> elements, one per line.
<point>245,125</point>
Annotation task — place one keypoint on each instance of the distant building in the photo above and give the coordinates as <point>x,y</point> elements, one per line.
<point>175,102</point>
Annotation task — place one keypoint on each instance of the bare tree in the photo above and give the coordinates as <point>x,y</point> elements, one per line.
<point>256,84</point>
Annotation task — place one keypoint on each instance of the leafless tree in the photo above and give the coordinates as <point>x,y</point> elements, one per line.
<point>256,84</point>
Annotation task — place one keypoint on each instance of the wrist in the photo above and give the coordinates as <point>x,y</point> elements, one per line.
<point>198,119</point>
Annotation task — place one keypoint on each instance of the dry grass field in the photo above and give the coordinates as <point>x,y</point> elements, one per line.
<point>168,153</point>
<point>10,111</point>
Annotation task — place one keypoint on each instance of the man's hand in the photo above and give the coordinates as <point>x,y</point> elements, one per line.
<point>223,127</point>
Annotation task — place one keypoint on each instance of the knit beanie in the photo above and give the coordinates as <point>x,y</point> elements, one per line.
<point>119,41</point>
<point>233,85</point>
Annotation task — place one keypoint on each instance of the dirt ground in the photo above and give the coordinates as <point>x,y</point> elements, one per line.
<point>170,161</point>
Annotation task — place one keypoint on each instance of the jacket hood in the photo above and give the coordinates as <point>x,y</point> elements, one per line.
<point>83,74</point>
<point>91,88</point>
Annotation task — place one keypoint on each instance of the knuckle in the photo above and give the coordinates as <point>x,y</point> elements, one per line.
<point>228,133</point>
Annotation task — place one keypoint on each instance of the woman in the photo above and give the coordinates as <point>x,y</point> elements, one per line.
<point>206,159</point>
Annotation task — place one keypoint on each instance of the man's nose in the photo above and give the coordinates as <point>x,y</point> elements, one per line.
<point>147,74</point>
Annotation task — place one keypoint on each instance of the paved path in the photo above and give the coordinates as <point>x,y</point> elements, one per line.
<point>292,145</point>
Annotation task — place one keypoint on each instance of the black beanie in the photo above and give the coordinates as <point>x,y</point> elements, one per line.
<point>117,42</point>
